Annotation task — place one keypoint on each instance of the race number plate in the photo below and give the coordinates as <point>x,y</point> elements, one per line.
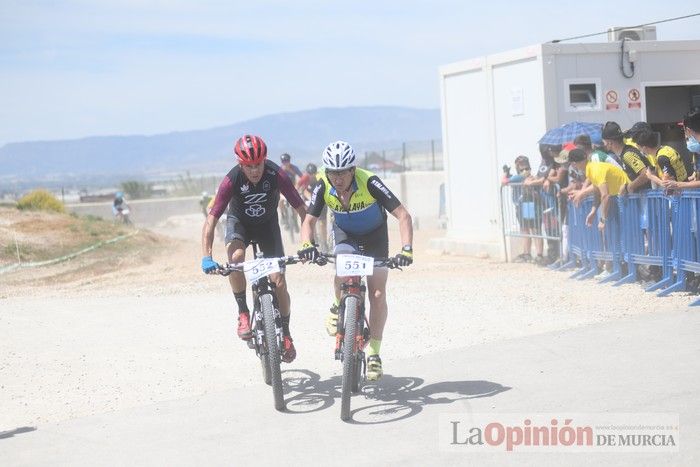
<point>354,265</point>
<point>258,268</point>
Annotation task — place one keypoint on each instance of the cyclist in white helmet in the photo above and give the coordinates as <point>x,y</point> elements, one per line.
<point>359,201</point>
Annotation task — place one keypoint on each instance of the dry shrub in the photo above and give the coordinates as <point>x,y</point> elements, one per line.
<point>40,200</point>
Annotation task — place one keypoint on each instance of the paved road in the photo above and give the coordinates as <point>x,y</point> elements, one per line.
<point>647,363</point>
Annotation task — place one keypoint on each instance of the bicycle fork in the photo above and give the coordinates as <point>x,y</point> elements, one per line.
<point>258,341</point>
<point>356,290</point>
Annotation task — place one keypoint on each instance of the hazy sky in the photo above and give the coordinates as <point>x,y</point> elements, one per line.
<point>77,68</point>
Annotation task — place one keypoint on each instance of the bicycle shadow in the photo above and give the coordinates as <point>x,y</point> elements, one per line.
<point>398,397</point>
<point>16,431</point>
<point>310,394</point>
<point>403,397</point>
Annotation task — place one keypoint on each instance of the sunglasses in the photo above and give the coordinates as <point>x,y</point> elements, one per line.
<point>338,173</point>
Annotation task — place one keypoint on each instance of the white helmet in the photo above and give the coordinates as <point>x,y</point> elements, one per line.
<point>338,156</point>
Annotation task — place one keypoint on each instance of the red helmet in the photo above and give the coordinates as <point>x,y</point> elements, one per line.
<point>250,150</point>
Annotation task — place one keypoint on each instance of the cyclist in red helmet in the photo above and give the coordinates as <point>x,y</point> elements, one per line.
<point>249,195</point>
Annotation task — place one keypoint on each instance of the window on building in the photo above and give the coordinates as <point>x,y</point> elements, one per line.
<point>582,95</point>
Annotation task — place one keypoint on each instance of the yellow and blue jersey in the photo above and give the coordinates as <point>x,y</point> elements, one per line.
<point>366,209</point>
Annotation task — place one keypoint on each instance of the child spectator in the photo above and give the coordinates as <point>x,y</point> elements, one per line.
<point>525,208</point>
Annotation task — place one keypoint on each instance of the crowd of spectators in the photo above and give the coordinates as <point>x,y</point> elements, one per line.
<point>641,158</point>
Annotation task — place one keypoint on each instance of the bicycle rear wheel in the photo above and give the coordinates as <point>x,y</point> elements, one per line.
<point>272,351</point>
<point>349,360</point>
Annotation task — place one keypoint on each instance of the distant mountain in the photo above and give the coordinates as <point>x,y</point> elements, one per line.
<point>303,134</point>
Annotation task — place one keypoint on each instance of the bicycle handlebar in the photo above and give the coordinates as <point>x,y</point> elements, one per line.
<point>228,268</point>
<point>325,258</point>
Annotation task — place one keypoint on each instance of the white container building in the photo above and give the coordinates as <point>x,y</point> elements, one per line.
<point>497,107</point>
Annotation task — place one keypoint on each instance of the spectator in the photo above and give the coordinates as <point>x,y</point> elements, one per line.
<point>633,162</point>
<point>607,181</point>
<point>691,126</point>
<point>633,131</point>
<point>594,154</point>
<point>669,164</point>
<point>525,208</point>
<point>546,178</point>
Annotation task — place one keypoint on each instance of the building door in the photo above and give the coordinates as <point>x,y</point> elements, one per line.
<point>666,104</point>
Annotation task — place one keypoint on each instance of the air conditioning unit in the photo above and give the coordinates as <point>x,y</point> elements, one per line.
<point>646,33</point>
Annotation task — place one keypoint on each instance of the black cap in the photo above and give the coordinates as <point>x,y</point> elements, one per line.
<point>577,155</point>
<point>612,130</point>
<point>636,128</point>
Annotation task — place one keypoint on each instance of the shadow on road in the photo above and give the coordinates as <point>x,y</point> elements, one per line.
<point>396,397</point>
<point>16,431</point>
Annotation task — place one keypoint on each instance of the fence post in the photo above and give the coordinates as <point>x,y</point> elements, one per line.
<point>403,155</point>
<point>19,258</point>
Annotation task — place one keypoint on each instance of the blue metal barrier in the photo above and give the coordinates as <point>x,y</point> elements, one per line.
<point>646,235</point>
<point>589,245</point>
<point>575,219</point>
<point>651,228</point>
<point>608,246</point>
<point>686,241</point>
<point>531,212</point>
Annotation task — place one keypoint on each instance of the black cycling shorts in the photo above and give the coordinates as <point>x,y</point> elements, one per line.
<point>267,235</point>
<point>374,244</point>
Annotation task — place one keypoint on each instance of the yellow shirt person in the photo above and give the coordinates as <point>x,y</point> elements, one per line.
<point>602,172</point>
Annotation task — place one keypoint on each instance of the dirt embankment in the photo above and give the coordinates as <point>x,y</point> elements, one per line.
<point>30,237</point>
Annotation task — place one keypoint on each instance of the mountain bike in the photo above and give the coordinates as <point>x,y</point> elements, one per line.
<point>122,216</point>
<point>265,319</point>
<point>352,334</point>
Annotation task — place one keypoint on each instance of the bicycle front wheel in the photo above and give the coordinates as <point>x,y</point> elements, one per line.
<point>349,360</point>
<point>265,365</point>
<point>272,349</point>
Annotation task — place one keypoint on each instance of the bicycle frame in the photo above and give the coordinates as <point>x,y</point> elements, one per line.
<point>352,286</point>
<point>355,326</point>
<point>267,340</point>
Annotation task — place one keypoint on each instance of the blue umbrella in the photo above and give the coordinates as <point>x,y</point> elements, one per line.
<point>567,132</point>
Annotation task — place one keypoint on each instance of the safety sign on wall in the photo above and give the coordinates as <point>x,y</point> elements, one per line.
<point>634,99</point>
<point>611,100</point>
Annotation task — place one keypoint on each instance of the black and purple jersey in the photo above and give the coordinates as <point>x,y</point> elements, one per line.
<point>254,203</point>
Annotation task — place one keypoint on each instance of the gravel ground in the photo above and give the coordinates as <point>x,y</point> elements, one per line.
<point>161,330</point>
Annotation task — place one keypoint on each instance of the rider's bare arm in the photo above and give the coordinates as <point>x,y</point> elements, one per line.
<point>405,224</point>
<point>307,228</point>
<point>301,210</point>
<point>208,234</point>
